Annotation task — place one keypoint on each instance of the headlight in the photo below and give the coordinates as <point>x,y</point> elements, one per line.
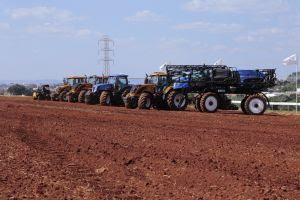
<point>94,89</point>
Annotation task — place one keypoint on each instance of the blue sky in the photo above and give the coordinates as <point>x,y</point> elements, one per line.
<point>51,39</point>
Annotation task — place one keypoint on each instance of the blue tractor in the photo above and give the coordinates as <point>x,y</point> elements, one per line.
<point>110,93</point>
<point>211,84</point>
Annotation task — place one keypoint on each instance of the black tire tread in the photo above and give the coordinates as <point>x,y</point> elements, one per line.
<point>202,101</point>
<point>103,98</point>
<point>143,101</point>
<point>197,102</point>
<point>81,96</point>
<point>170,101</point>
<point>247,109</point>
<point>61,96</point>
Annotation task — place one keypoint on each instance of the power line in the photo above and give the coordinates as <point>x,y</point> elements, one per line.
<point>106,52</point>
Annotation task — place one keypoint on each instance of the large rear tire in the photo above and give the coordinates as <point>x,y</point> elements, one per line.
<point>145,101</point>
<point>243,104</point>
<point>209,102</point>
<point>197,102</point>
<point>70,97</point>
<point>255,105</point>
<point>131,103</point>
<point>40,97</point>
<point>105,98</point>
<point>62,96</point>
<point>81,96</point>
<point>89,98</point>
<point>54,97</point>
<point>177,101</point>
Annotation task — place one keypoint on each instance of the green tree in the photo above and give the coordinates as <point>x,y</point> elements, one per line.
<point>19,90</point>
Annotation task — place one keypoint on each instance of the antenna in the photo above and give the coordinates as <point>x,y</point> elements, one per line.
<point>105,52</point>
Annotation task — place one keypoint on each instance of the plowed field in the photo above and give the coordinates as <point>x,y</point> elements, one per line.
<point>54,150</point>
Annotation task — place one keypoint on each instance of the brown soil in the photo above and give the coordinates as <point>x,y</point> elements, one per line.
<point>54,150</point>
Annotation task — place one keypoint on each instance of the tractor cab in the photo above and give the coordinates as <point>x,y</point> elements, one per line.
<point>113,83</point>
<point>110,91</point>
<point>119,81</point>
<point>42,92</point>
<point>75,80</point>
<point>157,79</point>
<point>93,80</point>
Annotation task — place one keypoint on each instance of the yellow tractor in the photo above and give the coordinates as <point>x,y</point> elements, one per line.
<point>61,91</point>
<point>152,93</point>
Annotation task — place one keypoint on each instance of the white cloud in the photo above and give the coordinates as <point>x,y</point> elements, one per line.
<point>4,26</point>
<point>261,35</point>
<point>209,27</point>
<point>46,20</point>
<point>174,43</point>
<point>55,29</point>
<point>83,32</point>
<point>238,6</point>
<point>42,13</point>
<point>145,16</point>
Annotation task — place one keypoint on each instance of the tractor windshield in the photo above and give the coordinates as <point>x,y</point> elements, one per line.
<point>157,80</point>
<point>94,80</point>
<point>75,81</point>
<point>112,80</point>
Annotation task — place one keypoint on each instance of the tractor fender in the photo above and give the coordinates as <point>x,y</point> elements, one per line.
<point>146,88</point>
<point>167,89</point>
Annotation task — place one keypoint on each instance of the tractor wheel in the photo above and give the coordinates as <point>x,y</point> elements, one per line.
<point>62,96</point>
<point>131,103</point>
<point>81,96</point>
<point>48,97</point>
<point>69,97</point>
<point>105,98</point>
<point>177,101</point>
<point>124,94</point>
<point>243,104</point>
<point>159,103</point>
<point>209,102</point>
<point>54,97</point>
<point>197,102</point>
<point>255,105</point>
<point>89,98</point>
<point>40,97</point>
<point>145,101</point>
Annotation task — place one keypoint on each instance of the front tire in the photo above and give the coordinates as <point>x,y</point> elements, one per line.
<point>105,98</point>
<point>54,97</point>
<point>209,102</point>
<point>40,97</point>
<point>62,96</point>
<point>131,103</point>
<point>177,101</point>
<point>70,97</point>
<point>145,101</point>
<point>81,96</point>
<point>255,105</point>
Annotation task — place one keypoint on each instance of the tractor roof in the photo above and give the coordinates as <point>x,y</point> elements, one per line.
<point>158,74</point>
<point>97,76</point>
<point>114,75</point>
<point>76,77</point>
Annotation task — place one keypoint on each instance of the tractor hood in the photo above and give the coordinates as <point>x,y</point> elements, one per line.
<point>102,87</point>
<point>181,83</point>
